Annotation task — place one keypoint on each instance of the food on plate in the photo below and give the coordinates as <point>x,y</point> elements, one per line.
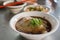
<point>37,8</point>
<point>33,25</point>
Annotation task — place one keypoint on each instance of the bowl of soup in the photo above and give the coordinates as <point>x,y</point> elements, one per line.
<point>34,25</point>
<point>15,7</point>
<point>40,8</point>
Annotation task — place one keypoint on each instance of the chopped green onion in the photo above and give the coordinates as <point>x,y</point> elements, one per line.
<point>36,21</point>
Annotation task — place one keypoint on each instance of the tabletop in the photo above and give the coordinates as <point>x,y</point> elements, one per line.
<point>7,33</point>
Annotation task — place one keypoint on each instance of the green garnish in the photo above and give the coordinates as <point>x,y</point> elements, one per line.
<point>41,21</point>
<point>32,22</point>
<point>32,8</point>
<point>36,21</point>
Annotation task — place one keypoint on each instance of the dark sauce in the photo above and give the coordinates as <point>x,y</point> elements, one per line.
<point>14,4</point>
<point>19,4</point>
<point>48,23</point>
<point>43,18</point>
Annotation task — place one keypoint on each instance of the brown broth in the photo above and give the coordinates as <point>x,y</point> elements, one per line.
<point>48,24</point>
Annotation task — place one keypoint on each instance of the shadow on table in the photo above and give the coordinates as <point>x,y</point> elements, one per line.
<point>7,14</point>
<point>19,37</point>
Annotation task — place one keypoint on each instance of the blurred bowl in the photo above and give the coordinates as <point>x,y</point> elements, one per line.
<point>45,11</point>
<point>15,9</point>
<point>53,20</point>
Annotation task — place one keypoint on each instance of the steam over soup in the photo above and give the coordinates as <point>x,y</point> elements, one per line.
<point>33,25</point>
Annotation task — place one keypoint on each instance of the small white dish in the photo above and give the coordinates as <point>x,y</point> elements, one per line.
<point>15,9</point>
<point>49,10</point>
<point>53,20</point>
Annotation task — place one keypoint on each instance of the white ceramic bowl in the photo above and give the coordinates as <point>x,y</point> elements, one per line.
<point>15,9</point>
<point>49,10</point>
<point>49,17</point>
